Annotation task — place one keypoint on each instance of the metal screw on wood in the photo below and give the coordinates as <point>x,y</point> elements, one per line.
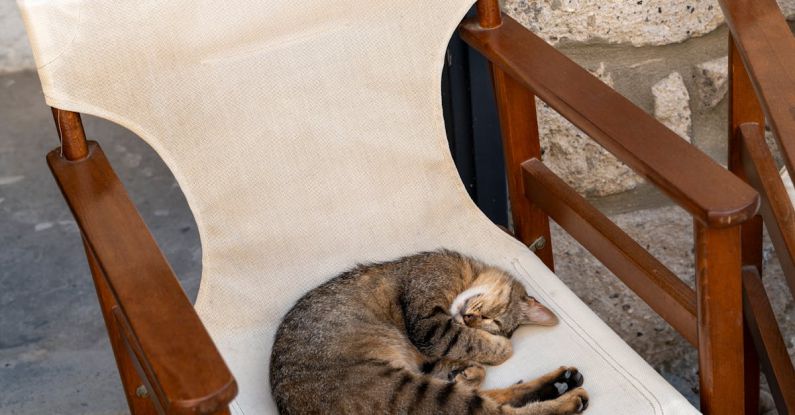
<point>141,392</point>
<point>539,243</point>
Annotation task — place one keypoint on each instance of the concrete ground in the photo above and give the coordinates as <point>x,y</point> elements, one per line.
<point>54,355</point>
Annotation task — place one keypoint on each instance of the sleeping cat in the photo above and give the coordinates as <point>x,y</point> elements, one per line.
<point>410,337</point>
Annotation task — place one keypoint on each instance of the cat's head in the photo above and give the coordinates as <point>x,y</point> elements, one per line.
<point>497,303</point>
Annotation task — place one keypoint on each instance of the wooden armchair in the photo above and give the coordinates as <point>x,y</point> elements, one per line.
<point>305,144</point>
<point>762,86</point>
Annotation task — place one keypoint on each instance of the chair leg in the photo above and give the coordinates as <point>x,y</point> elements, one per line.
<point>744,107</point>
<point>517,110</point>
<point>720,320</point>
<point>136,395</point>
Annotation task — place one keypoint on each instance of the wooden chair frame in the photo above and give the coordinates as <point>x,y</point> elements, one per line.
<point>147,313</point>
<point>762,86</point>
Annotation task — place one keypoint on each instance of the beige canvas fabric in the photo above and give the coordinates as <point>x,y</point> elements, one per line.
<point>307,137</point>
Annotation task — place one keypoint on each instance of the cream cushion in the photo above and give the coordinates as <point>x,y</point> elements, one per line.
<point>307,137</point>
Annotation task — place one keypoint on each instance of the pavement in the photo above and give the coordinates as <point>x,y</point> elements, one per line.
<point>54,354</point>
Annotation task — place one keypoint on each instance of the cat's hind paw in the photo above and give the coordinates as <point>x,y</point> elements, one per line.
<point>574,402</point>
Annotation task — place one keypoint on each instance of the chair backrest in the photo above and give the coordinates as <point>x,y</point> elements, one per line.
<point>306,136</point>
<point>297,130</point>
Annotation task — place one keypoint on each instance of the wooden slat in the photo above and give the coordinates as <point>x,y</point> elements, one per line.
<point>767,48</point>
<point>777,209</point>
<point>665,293</point>
<point>692,179</point>
<point>772,351</point>
<point>720,320</point>
<point>744,107</point>
<point>519,128</point>
<point>157,321</point>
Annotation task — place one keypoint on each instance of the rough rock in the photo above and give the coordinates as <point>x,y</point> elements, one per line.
<point>788,8</point>
<point>579,160</point>
<point>637,22</point>
<point>672,104</point>
<point>772,144</point>
<point>712,81</point>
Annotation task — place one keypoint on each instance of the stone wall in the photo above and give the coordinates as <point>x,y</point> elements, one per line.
<point>667,56</point>
<point>635,22</point>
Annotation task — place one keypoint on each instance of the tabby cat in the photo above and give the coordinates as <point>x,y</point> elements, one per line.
<point>410,337</point>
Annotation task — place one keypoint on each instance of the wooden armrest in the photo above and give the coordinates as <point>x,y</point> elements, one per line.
<point>173,350</point>
<point>767,48</point>
<point>693,180</point>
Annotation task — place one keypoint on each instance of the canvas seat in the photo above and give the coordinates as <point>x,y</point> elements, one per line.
<point>617,379</point>
<point>308,137</point>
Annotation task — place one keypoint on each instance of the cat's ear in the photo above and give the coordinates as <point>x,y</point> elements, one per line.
<point>536,313</point>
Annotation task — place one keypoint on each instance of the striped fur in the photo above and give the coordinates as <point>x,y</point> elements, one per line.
<point>380,339</point>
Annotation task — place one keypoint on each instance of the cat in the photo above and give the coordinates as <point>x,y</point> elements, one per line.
<point>411,336</point>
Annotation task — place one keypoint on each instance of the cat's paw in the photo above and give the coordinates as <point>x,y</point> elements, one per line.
<point>470,374</point>
<point>574,402</point>
<point>565,379</point>
<point>500,349</point>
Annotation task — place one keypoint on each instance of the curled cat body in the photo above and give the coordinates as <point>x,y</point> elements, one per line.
<point>411,336</point>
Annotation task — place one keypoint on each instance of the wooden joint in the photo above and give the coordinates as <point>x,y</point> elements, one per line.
<point>688,176</point>
<point>779,215</point>
<point>70,131</point>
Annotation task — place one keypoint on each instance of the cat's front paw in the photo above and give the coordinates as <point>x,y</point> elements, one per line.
<point>470,374</point>
<point>500,349</point>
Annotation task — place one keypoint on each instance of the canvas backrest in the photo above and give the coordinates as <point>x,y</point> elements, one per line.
<point>306,136</point>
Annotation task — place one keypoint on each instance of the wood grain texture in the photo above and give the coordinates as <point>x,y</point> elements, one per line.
<point>489,13</point>
<point>766,46</point>
<point>744,108</point>
<point>774,357</point>
<point>720,320</point>
<point>130,377</point>
<point>689,177</point>
<point>665,293</point>
<point>175,355</point>
<point>70,131</point>
<point>777,209</point>
<point>519,127</point>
